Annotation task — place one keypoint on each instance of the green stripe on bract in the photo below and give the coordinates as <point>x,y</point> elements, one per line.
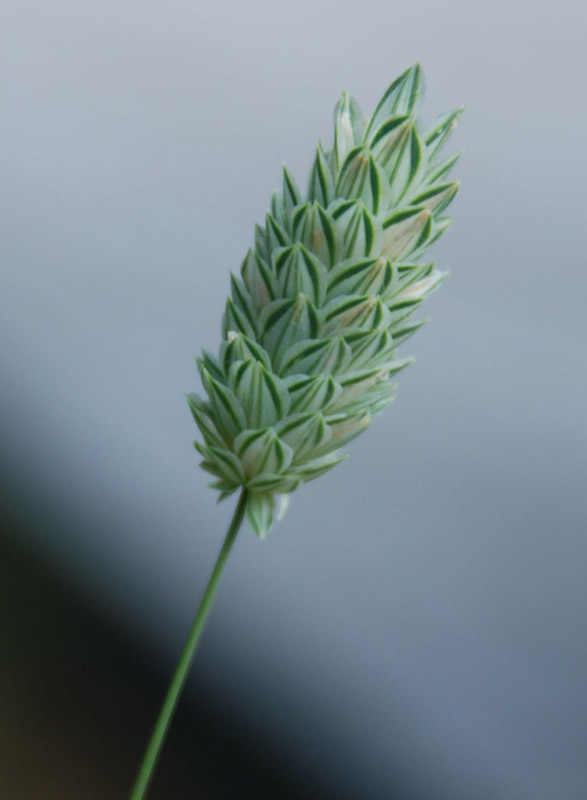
<point>436,137</point>
<point>262,395</point>
<point>327,294</point>
<point>262,451</point>
<point>315,230</point>
<point>315,356</point>
<point>312,393</point>
<point>304,434</point>
<point>291,193</point>
<point>259,512</point>
<point>298,271</point>
<point>321,183</point>
<point>266,482</point>
<point>276,235</point>
<point>238,347</point>
<point>235,320</point>
<point>345,313</point>
<point>401,98</point>
<point>437,197</point>
<point>201,414</point>
<point>405,231</point>
<point>318,466</point>
<point>258,280</point>
<point>359,231</point>
<point>363,276</point>
<point>228,412</point>
<point>227,464</point>
<point>370,349</point>
<point>438,171</point>
<point>348,127</point>
<point>285,322</point>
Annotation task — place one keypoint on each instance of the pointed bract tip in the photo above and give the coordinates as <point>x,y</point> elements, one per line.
<point>415,69</point>
<point>283,506</point>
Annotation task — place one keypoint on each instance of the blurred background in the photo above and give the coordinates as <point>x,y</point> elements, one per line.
<point>415,628</point>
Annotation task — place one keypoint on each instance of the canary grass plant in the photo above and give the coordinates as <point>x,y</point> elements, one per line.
<point>313,322</point>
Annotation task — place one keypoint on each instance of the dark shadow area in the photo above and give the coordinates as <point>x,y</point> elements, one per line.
<point>77,706</point>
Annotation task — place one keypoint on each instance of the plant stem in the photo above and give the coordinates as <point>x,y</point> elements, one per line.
<point>178,681</point>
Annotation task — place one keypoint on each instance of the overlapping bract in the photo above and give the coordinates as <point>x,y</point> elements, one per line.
<point>324,298</point>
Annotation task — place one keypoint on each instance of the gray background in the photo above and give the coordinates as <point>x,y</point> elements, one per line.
<point>419,616</point>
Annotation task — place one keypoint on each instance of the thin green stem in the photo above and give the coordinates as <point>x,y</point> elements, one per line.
<point>163,723</point>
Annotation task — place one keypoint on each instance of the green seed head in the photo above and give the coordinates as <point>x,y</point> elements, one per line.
<point>324,298</point>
